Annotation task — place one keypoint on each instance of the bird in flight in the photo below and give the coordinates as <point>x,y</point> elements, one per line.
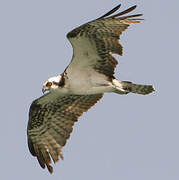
<point>89,75</point>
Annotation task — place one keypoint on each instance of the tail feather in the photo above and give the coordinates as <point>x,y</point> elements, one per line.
<point>137,88</point>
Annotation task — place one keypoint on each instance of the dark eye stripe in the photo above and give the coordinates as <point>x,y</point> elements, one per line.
<point>55,83</point>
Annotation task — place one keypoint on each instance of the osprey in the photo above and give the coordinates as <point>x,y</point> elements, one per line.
<point>88,76</point>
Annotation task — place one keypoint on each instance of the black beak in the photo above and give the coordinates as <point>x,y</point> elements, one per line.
<point>43,90</point>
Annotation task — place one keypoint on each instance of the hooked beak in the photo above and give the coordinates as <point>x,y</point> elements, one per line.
<point>44,89</point>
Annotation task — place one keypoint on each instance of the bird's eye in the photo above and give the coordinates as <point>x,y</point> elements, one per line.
<point>48,84</point>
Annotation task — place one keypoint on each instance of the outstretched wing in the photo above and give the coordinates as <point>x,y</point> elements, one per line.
<point>94,42</point>
<point>51,119</point>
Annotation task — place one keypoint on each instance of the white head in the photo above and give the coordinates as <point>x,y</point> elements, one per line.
<point>53,83</point>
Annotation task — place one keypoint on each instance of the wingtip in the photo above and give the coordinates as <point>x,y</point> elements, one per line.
<point>50,169</point>
<point>119,6</point>
<point>124,12</point>
<point>110,12</point>
<point>134,6</point>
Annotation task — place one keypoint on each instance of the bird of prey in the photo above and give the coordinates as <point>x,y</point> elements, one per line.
<point>89,75</point>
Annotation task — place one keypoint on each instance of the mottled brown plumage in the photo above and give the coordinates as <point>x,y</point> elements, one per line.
<point>50,124</point>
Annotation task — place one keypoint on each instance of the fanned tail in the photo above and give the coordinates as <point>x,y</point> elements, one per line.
<point>137,88</point>
<point>125,87</point>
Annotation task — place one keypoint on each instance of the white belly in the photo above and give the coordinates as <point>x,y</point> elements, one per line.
<point>88,82</point>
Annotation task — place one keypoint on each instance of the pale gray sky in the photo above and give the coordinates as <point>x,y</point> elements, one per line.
<point>129,137</point>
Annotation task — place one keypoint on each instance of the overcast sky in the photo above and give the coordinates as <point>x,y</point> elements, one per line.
<point>129,137</point>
